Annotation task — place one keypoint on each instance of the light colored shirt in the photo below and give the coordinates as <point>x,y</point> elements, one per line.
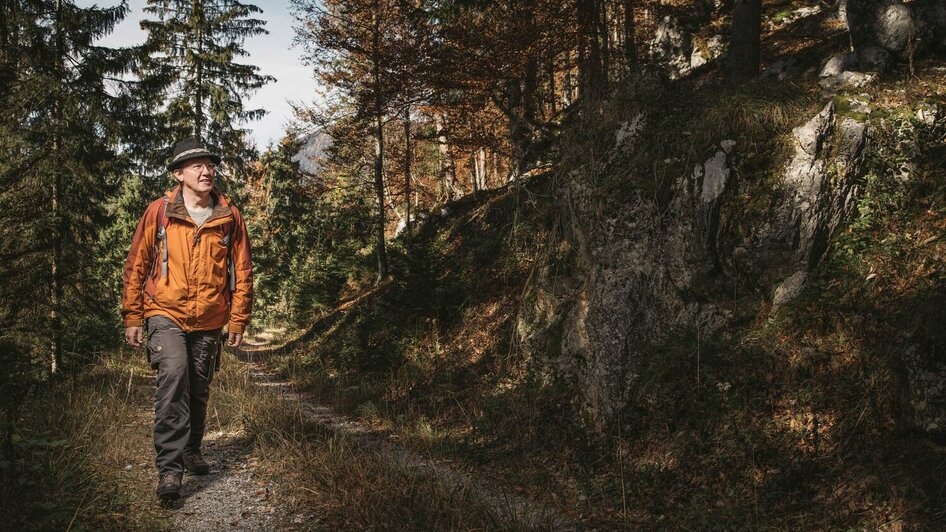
<point>200,215</point>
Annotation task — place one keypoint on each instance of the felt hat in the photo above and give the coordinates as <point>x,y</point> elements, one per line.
<point>187,149</point>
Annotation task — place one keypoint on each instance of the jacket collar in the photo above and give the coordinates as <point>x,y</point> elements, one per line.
<point>176,208</point>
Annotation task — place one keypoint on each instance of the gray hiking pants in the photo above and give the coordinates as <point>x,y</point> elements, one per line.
<point>185,364</point>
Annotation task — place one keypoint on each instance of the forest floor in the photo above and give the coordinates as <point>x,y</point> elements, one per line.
<point>280,460</point>
<point>508,509</point>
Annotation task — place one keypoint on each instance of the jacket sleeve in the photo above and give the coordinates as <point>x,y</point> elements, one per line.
<point>137,265</point>
<point>241,302</point>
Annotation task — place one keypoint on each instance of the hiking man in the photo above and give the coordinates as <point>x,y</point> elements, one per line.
<point>188,274</point>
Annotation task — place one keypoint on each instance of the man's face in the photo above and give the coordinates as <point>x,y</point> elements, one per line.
<point>197,175</point>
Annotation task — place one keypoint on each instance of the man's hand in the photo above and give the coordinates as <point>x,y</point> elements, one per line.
<point>134,336</point>
<point>234,339</point>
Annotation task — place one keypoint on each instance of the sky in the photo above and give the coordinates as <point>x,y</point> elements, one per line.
<point>273,53</point>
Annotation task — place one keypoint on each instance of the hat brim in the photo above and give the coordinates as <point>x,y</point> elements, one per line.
<point>193,154</point>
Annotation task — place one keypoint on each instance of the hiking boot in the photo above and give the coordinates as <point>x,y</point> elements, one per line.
<point>194,463</point>
<point>169,485</point>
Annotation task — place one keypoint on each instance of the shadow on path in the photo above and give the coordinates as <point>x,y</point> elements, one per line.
<point>230,497</point>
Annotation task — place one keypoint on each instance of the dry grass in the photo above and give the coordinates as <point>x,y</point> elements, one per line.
<point>87,461</point>
<point>90,457</point>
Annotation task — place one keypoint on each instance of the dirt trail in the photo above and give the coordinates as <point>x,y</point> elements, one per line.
<point>234,496</point>
<point>231,497</point>
<point>532,515</point>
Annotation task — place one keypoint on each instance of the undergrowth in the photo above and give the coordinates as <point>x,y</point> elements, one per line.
<point>82,455</point>
<point>800,419</point>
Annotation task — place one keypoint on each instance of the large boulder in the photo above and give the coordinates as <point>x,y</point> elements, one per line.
<point>898,28</point>
<point>888,24</point>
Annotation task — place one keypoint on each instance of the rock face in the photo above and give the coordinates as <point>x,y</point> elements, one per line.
<point>672,46</point>
<point>645,278</point>
<point>312,151</point>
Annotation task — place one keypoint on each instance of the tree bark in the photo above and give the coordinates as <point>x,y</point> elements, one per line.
<point>744,50</point>
<point>407,172</point>
<point>447,165</point>
<point>551,81</point>
<point>55,363</point>
<point>481,168</point>
<point>568,85</point>
<point>530,90</point>
<point>379,150</point>
<point>589,52</point>
<point>198,12</point>
<point>630,36</point>
<point>516,126</point>
<point>603,34</point>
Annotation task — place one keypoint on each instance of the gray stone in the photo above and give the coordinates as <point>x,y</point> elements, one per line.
<point>715,175</point>
<point>627,133</point>
<point>858,105</point>
<point>837,64</point>
<point>928,113</point>
<point>848,80</point>
<point>672,47</point>
<point>798,14</point>
<point>783,68</point>
<point>888,24</point>
<point>706,51</point>
<point>789,289</point>
<point>895,27</point>
<point>810,135</point>
<point>873,58</point>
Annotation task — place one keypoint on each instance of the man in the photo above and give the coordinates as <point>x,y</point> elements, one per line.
<point>188,274</point>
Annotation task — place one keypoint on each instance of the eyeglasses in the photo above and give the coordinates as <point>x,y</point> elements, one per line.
<point>198,167</point>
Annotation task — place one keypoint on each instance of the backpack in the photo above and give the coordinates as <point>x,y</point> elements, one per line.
<point>161,241</point>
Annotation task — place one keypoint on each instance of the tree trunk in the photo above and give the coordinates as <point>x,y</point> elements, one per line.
<point>198,11</point>
<point>474,179</point>
<point>55,314</point>
<point>517,130</point>
<point>551,81</point>
<point>379,150</point>
<point>481,168</point>
<point>567,83</point>
<point>407,172</point>
<point>447,165</point>
<point>589,52</point>
<point>604,44</point>
<point>530,90</point>
<point>744,52</point>
<point>379,191</point>
<point>630,36</point>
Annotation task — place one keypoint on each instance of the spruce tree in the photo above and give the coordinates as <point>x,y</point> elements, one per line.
<point>190,73</point>
<point>57,136</point>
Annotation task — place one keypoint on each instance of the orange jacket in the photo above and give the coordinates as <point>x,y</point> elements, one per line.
<point>195,292</point>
